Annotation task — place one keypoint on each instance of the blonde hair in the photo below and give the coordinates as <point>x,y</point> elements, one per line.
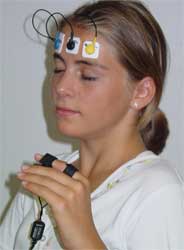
<point>140,46</point>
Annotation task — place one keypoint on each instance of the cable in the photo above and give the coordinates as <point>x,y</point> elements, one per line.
<point>50,15</point>
<point>38,227</point>
<point>93,21</point>
<point>66,20</point>
<point>71,42</point>
<point>33,245</point>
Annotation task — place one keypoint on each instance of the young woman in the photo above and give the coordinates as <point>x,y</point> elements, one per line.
<point>124,196</point>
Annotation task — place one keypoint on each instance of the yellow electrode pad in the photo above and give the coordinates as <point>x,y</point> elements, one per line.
<point>91,49</point>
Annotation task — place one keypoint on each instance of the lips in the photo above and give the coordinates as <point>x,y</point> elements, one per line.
<point>64,111</point>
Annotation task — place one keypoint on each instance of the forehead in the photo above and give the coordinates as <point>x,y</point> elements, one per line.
<point>106,54</point>
<point>81,31</point>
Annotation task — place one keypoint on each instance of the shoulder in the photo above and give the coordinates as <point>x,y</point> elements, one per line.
<point>159,173</point>
<point>159,204</point>
<point>159,187</point>
<point>158,221</point>
<point>150,177</point>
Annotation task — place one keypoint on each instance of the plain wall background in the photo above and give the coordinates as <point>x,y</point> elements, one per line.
<point>25,113</point>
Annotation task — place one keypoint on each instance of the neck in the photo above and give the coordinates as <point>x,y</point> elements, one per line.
<point>102,155</point>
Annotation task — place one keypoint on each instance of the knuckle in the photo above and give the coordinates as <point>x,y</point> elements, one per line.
<point>62,205</point>
<point>80,188</point>
<point>71,196</point>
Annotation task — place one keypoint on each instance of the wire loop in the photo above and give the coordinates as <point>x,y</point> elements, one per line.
<point>33,23</point>
<point>51,15</point>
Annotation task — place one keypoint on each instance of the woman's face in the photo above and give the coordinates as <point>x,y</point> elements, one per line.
<point>91,96</point>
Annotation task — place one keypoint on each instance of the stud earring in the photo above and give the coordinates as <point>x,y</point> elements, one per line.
<point>135,105</point>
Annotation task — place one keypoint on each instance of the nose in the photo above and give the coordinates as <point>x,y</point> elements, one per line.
<point>64,86</point>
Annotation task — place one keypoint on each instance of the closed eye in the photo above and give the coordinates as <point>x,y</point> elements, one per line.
<point>57,71</point>
<point>89,78</point>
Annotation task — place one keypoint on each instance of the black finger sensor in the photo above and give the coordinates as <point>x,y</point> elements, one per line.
<point>70,170</point>
<point>47,160</point>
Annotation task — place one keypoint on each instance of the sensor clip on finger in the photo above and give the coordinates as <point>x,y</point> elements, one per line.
<point>47,160</point>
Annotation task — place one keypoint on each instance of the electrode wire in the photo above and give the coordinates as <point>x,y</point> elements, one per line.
<point>92,20</point>
<point>41,207</point>
<point>65,19</point>
<point>50,15</point>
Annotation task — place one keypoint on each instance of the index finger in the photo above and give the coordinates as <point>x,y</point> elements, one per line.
<point>62,166</point>
<point>49,160</point>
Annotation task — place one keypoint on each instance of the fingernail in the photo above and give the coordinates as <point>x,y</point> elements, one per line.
<point>25,167</point>
<point>24,183</point>
<point>38,156</point>
<point>20,174</point>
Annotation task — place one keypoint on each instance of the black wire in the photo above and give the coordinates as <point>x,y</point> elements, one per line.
<point>33,23</point>
<point>35,226</point>
<point>46,25</point>
<point>66,20</point>
<point>33,243</point>
<point>51,15</point>
<point>41,207</point>
<point>92,20</point>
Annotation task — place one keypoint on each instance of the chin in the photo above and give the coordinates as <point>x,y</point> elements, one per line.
<point>68,130</point>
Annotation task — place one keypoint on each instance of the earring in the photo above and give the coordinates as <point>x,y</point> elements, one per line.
<point>135,105</point>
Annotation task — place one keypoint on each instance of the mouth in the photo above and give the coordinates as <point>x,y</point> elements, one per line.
<point>64,111</point>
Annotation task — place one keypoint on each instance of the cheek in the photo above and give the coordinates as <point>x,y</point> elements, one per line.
<point>107,102</point>
<point>53,90</point>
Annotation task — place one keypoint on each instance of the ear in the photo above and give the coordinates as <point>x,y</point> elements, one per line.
<point>143,93</point>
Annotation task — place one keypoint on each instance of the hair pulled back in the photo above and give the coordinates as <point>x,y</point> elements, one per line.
<point>141,48</point>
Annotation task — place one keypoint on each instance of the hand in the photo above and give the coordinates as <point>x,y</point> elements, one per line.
<point>69,200</point>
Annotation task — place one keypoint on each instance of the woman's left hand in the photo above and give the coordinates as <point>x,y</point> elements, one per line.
<point>69,200</point>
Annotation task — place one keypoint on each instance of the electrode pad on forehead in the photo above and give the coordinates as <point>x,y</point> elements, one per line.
<point>90,49</point>
<point>58,42</point>
<point>75,50</point>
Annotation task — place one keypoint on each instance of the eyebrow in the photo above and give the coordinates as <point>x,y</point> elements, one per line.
<point>92,64</point>
<point>57,56</point>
